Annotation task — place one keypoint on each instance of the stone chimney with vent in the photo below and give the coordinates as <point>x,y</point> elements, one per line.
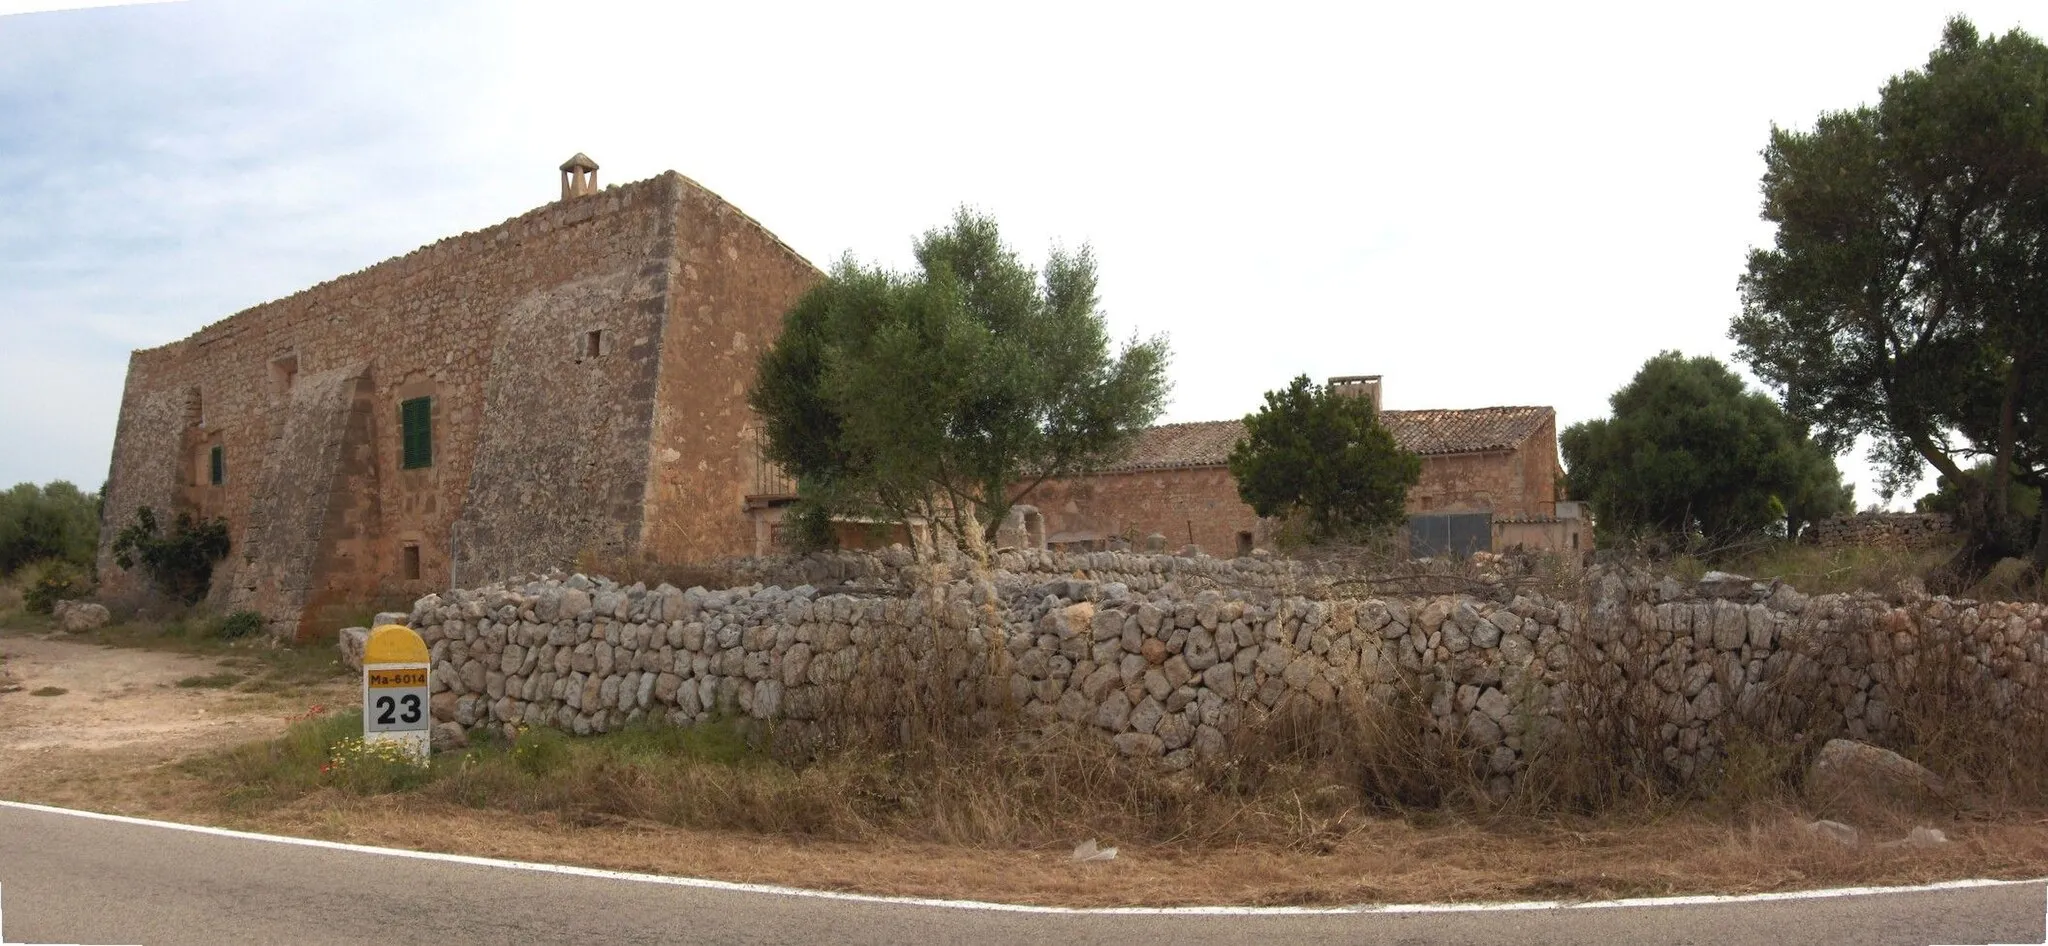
<point>1359,385</point>
<point>579,176</point>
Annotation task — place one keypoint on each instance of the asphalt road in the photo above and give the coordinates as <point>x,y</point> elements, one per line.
<point>70,879</point>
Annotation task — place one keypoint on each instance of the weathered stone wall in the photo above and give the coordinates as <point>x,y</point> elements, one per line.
<point>1171,673</point>
<point>732,282</point>
<point>291,512</point>
<point>1519,482</point>
<point>151,460</point>
<point>1886,530</point>
<point>1191,505</point>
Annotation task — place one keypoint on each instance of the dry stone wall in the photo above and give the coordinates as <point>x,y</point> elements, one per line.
<point>1171,673</point>
<point>1886,530</point>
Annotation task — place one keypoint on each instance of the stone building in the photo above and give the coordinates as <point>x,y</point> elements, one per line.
<point>570,381</point>
<point>1493,469</point>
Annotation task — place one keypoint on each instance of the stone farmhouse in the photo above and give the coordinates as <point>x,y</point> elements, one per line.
<point>571,380</point>
<point>574,381</point>
<point>1490,480</point>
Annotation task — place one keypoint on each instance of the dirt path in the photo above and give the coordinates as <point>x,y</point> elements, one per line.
<point>121,708</point>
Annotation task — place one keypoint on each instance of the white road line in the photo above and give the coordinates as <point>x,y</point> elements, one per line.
<point>770,889</point>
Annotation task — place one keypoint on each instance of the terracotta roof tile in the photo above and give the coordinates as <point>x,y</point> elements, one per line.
<point>1466,431</point>
<point>1208,443</point>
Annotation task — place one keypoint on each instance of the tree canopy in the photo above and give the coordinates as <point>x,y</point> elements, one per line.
<point>1690,451</point>
<point>1905,296</point>
<point>1948,494</point>
<point>1322,455</point>
<point>950,392</point>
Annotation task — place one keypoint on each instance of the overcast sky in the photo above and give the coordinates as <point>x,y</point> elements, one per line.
<point>1486,203</point>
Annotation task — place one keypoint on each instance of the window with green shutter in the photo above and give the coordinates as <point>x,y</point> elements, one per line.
<point>217,465</point>
<point>416,423</point>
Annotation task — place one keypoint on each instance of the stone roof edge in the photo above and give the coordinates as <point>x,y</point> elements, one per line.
<point>455,243</point>
<point>749,218</point>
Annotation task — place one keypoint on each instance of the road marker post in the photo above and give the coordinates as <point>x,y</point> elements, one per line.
<point>395,690</point>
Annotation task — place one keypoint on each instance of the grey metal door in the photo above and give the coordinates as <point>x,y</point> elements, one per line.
<point>1450,535</point>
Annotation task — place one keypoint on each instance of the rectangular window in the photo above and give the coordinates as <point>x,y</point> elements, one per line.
<point>217,465</point>
<point>416,424</point>
<point>593,343</point>
<point>411,563</point>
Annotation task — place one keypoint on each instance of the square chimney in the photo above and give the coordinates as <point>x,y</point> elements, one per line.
<point>1359,385</point>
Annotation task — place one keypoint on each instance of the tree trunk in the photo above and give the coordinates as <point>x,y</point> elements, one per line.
<point>2041,536</point>
<point>1989,535</point>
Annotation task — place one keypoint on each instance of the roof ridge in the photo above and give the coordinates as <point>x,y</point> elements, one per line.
<point>1433,430</point>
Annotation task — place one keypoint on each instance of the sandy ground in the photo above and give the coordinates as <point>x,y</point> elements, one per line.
<point>121,710</point>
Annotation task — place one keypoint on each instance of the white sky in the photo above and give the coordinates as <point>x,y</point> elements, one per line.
<point>1486,203</point>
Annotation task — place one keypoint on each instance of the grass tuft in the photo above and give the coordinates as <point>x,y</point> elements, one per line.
<point>211,681</point>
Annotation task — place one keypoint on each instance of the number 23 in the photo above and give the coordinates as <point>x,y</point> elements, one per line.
<point>387,707</point>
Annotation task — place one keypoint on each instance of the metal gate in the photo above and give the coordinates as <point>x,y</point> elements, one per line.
<point>1450,535</point>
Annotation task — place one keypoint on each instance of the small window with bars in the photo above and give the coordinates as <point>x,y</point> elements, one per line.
<point>217,465</point>
<point>416,427</point>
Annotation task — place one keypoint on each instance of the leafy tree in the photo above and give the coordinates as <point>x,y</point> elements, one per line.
<point>951,392</point>
<point>1690,451</point>
<point>1906,294</point>
<point>180,564</point>
<point>49,522</point>
<point>1322,455</point>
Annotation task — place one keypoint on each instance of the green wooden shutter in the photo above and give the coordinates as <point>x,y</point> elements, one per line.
<point>217,465</point>
<point>416,423</point>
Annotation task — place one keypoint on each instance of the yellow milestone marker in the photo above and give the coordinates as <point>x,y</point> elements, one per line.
<point>395,689</point>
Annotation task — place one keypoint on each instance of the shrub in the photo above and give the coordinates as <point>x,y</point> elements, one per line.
<point>238,625</point>
<point>50,581</point>
<point>540,752</point>
<point>54,521</point>
<point>179,564</point>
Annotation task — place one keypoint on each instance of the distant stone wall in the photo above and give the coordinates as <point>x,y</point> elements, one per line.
<point>1170,674</point>
<point>1886,530</point>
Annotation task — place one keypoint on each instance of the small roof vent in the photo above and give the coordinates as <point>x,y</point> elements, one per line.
<point>579,176</point>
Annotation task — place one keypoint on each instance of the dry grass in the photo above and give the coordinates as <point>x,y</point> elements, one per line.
<point>210,681</point>
<point>1413,857</point>
<point>1817,570</point>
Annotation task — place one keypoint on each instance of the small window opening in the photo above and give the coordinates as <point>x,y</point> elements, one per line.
<point>593,343</point>
<point>1244,544</point>
<point>217,465</point>
<point>1575,540</point>
<point>409,565</point>
<point>283,371</point>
